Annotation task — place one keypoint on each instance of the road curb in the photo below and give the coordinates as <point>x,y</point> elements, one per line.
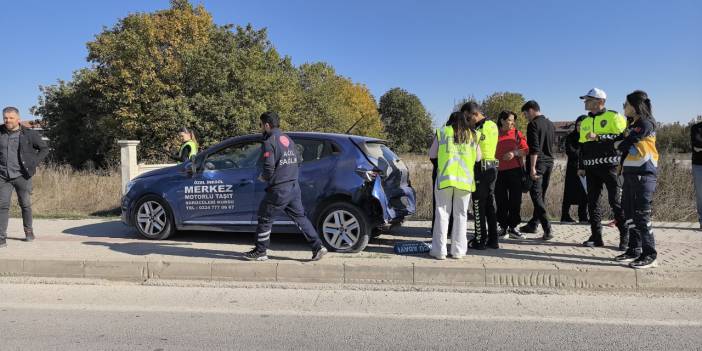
<point>407,274</point>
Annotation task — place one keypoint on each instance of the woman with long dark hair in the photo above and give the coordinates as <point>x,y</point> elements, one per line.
<point>189,147</point>
<point>640,168</point>
<point>456,149</point>
<point>511,149</point>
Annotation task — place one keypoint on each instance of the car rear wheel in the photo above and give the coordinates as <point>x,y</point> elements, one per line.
<point>343,227</point>
<point>153,219</point>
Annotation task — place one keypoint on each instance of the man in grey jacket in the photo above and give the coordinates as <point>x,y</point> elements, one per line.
<point>21,150</point>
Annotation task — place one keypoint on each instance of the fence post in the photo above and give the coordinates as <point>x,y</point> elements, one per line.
<point>128,159</point>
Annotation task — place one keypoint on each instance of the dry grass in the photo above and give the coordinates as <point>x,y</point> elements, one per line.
<point>61,192</point>
<point>673,200</point>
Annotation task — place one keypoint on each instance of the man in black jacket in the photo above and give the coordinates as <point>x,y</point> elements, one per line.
<point>21,150</point>
<point>540,137</point>
<point>280,171</point>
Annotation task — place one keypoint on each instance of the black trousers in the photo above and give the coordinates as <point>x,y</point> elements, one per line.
<point>23,187</point>
<point>637,199</point>
<point>582,210</point>
<point>508,194</point>
<point>597,178</point>
<point>538,195</point>
<point>484,204</point>
<point>285,197</point>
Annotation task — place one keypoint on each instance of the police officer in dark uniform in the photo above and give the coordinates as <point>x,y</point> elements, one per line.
<point>484,207</point>
<point>280,171</point>
<point>599,160</point>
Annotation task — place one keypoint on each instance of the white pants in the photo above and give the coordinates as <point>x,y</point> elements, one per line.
<point>450,200</point>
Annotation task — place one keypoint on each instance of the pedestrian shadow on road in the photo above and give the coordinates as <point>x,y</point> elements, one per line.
<point>176,249</point>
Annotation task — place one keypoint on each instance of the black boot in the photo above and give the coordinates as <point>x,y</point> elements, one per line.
<point>476,245</point>
<point>623,242</point>
<point>548,234</point>
<point>623,236</point>
<point>28,234</point>
<point>528,228</point>
<point>567,219</point>
<point>595,240</point>
<point>492,242</point>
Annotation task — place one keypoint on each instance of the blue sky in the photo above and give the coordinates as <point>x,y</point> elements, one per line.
<point>551,51</point>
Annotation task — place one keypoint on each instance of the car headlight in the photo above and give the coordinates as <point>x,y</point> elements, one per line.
<point>129,186</point>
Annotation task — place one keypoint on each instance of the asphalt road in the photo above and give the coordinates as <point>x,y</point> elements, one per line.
<point>121,316</point>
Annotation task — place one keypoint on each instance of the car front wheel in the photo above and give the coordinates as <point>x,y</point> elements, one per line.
<point>153,219</point>
<point>343,227</point>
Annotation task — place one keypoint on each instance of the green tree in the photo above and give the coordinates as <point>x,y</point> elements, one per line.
<point>332,103</point>
<point>69,110</point>
<point>407,123</point>
<point>154,72</point>
<point>675,137</point>
<point>500,101</point>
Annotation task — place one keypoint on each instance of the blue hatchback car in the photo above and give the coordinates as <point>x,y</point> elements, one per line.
<point>353,188</point>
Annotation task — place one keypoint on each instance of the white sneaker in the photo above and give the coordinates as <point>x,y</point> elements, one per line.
<point>437,256</point>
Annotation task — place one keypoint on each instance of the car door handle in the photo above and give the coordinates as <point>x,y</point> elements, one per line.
<point>246,181</point>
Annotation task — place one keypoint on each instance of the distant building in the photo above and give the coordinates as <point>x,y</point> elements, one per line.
<point>36,125</point>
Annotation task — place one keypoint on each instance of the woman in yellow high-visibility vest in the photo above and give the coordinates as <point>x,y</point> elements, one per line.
<point>189,147</point>
<point>456,149</point>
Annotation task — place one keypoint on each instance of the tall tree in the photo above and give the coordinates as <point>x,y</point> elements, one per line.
<point>407,123</point>
<point>500,101</point>
<point>154,72</point>
<point>332,103</point>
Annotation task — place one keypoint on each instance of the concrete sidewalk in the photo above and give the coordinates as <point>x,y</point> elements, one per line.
<point>107,249</point>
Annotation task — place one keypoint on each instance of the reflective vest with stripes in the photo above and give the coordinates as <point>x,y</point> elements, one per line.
<point>606,125</point>
<point>193,149</point>
<point>489,134</point>
<point>456,161</point>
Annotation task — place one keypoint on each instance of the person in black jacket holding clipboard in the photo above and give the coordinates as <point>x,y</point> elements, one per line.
<point>574,191</point>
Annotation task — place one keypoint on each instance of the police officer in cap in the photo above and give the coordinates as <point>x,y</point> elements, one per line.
<point>599,161</point>
<point>280,171</point>
<point>484,207</point>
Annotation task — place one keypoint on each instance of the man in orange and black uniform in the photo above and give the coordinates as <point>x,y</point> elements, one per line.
<point>599,161</point>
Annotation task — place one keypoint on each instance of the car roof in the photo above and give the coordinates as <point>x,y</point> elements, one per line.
<point>334,136</point>
<point>329,136</point>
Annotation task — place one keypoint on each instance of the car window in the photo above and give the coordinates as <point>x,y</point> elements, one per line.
<point>243,155</point>
<point>381,151</point>
<point>311,149</point>
<point>386,157</point>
